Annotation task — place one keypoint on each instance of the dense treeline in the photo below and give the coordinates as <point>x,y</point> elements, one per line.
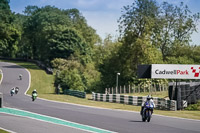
<point>149,33</point>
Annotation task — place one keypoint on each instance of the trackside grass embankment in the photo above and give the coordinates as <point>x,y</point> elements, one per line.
<point>45,87</point>
<point>3,131</point>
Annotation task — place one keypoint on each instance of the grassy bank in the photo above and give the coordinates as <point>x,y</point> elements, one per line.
<point>44,85</point>
<point>3,131</point>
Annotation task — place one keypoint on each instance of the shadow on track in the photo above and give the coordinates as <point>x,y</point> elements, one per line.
<point>135,121</point>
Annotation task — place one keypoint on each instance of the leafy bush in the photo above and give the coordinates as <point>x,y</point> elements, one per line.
<point>194,106</point>
<point>71,74</point>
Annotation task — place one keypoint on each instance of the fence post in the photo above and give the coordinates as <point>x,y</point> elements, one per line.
<point>163,87</point>
<point>129,88</point>
<point>159,87</point>
<point>120,89</point>
<point>124,89</point>
<point>112,90</point>
<point>154,87</point>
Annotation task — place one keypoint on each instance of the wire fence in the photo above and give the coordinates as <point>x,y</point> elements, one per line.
<point>136,89</point>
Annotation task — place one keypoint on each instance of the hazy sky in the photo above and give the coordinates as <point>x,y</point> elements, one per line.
<point>102,15</point>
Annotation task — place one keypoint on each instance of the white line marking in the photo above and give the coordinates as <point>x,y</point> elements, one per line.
<point>7,130</point>
<point>42,120</point>
<point>1,76</point>
<point>57,119</point>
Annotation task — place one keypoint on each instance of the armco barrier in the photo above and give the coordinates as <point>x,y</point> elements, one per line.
<point>75,93</point>
<point>1,100</point>
<point>160,103</point>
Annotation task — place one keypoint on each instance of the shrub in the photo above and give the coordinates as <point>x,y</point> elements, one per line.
<point>194,106</point>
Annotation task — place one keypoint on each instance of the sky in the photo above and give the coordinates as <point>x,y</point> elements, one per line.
<point>102,15</point>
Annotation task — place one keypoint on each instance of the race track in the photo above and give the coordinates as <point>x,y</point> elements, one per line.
<point>110,120</point>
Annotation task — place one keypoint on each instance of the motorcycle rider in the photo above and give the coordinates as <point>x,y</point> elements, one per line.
<point>16,90</point>
<point>12,91</point>
<point>148,101</point>
<point>34,92</point>
<point>20,76</point>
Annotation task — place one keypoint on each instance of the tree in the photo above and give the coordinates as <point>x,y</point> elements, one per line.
<point>71,80</point>
<point>80,24</point>
<point>71,74</point>
<point>41,25</point>
<point>136,26</point>
<point>174,27</point>
<point>108,61</point>
<point>9,35</point>
<point>68,43</point>
<point>153,33</point>
<point>52,33</point>
<point>166,26</point>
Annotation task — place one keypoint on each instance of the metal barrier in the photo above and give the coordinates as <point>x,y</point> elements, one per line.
<point>160,103</point>
<point>75,93</point>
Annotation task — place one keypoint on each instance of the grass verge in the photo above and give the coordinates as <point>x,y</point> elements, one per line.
<point>44,85</point>
<point>3,131</point>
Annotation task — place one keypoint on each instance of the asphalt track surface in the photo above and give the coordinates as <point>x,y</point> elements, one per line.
<point>26,125</point>
<point>112,120</point>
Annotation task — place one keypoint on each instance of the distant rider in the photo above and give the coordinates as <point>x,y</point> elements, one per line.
<point>12,91</point>
<point>149,101</point>
<point>20,76</point>
<point>16,90</point>
<point>34,92</point>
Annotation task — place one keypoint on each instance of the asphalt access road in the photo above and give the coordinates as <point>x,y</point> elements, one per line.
<point>112,120</point>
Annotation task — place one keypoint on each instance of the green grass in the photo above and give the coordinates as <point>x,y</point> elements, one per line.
<point>3,131</point>
<point>44,85</point>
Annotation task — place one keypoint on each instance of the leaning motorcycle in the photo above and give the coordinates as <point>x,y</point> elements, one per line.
<point>147,112</point>
<point>34,96</point>
<point>20,77</point>
<point>16,90</point>
<point>12,92</point>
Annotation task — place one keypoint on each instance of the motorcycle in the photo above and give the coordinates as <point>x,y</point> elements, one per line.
<point>16,90</point>
<point>34,96</point>
<point>12,92</point>
<point>20,77</point>
<point>147,112</point>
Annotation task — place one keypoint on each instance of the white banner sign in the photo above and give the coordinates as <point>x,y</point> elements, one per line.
<point>174,71</point>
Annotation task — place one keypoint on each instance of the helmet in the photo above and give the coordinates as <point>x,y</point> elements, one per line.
<point>148,97</point>
<point>34,90</point>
